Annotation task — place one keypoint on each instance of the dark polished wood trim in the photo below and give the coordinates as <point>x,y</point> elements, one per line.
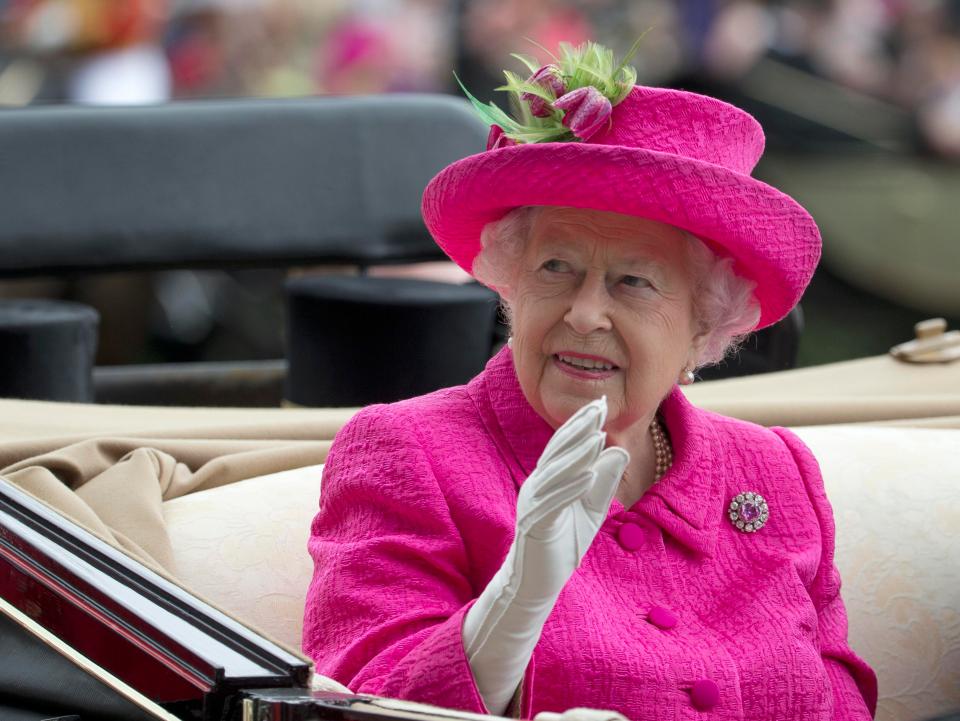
<point>137,625</point>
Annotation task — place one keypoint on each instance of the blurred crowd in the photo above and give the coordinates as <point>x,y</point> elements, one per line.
<point>903,52</point>
<point>881,72</point>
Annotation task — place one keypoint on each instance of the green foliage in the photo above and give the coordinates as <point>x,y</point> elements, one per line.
<point>589,64</point>
<point>490,114</point>
<point>530,62</point>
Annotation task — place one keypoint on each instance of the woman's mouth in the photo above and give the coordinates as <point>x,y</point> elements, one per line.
<point>585,366</point>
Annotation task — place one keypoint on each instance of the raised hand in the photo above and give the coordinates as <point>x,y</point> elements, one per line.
<point>563,503</point>
<point>560,509</point>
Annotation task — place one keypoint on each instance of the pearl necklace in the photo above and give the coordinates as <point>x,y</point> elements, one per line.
<point>662,450</point>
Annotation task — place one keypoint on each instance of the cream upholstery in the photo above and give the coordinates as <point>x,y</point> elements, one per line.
<point>896,497</point>
<point>244,547</point>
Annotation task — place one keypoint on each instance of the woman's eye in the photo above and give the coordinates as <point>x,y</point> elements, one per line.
<point>635,281</point>
<point>556,266</point>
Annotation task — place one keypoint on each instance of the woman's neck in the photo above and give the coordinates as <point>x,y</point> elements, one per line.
<point>642,469</point>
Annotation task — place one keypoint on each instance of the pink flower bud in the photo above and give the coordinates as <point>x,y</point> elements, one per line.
<point>586,110</point>
<point>498,139</point>
<point>549,78</point>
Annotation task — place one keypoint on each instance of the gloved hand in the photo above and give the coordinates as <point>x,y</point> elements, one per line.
<point>560,508</point>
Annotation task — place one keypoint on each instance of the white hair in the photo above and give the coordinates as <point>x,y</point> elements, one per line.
<point>724,305</point>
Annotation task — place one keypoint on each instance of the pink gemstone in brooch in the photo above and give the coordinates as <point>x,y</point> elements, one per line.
<point>748,511</point>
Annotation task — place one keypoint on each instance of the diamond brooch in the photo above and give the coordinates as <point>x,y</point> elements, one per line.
<point>748,511</point>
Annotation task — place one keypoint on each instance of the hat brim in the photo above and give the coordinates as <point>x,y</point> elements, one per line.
<point>771,238</point>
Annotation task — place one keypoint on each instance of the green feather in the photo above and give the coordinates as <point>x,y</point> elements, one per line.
<point>538,45</point>
<point>491,114</point>
<point>631,52</point>
<point>530,62</point>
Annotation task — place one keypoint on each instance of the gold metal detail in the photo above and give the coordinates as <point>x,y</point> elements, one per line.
<point>84,663</point>
<point>933,344</point>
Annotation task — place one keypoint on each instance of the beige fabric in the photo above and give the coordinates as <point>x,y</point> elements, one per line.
<point>938,422</point>
<point>31,420</point>
<point>110,467</point>
<point>114,487</point>
<point>895,494</point>
<point>867,389</point>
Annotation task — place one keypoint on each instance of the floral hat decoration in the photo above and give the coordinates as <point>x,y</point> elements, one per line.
<point>583,134</point>
<point>567,100</point>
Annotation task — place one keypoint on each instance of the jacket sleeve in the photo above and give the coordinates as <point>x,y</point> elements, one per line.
<point>853,682</point>
<point>390,587</point>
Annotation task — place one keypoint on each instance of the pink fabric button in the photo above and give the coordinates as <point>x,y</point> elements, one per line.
<point>630,536</point>
<point>662,617</point>
<point>705,694</point>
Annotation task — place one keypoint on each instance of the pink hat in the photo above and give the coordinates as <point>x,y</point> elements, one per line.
<point>666,155</point>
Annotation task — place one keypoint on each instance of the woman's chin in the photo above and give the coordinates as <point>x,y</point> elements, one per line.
<point>561,397</point>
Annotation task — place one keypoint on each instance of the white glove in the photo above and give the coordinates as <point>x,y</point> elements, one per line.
<point>560,508</point>
<point>580,714</point>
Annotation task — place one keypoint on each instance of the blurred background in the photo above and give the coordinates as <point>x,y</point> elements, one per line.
<point>860,100</point>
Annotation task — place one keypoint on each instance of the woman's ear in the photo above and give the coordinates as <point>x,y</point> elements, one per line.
<point>686,377</point>
<point>697,345</point>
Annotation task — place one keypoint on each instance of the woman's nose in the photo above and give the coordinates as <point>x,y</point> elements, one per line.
<point>589,308</point>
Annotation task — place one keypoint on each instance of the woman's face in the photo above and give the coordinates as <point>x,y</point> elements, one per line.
<point>603,305</point>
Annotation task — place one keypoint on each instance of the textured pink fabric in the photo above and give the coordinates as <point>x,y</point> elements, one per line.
<point>417,513</point>
<point>686,124</point>
<point>669,155</point>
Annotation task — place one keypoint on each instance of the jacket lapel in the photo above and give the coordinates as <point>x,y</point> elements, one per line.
<point>688,502</point>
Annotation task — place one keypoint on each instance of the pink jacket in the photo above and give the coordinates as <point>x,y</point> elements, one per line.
<point>673,613</point>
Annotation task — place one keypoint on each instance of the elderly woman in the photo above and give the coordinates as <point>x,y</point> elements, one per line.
<point>566,529</point>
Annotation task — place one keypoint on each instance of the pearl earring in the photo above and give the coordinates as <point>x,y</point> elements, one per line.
<point>686,377</point>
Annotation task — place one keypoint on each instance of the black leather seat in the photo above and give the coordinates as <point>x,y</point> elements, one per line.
<point>224,183</point>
